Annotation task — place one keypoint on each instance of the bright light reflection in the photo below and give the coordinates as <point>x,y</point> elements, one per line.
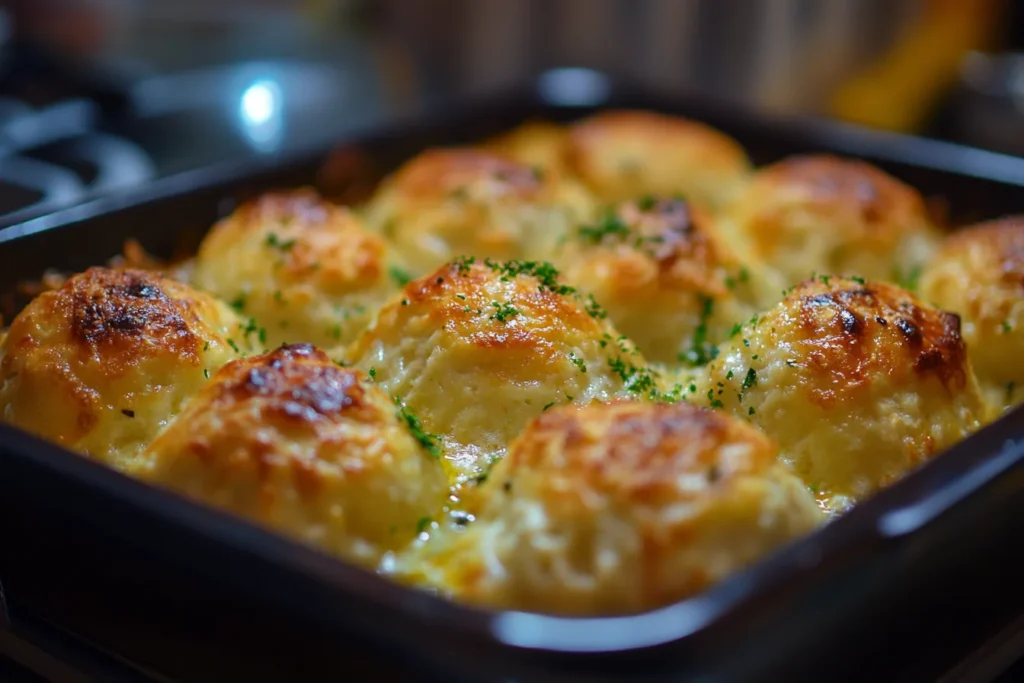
<point>260,114</point>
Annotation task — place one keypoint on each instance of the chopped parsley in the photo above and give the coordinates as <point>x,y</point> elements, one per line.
<point>750,410</point>
<point>276,242</point>
<point>238,303</point>
<point>859,280</point>
<point>543,271</point>
<point>430,442</point>
<point>750,380</point>
<point>372,373</point>
<point>463,263</point>
<point>594,309</point>
<point>910,279</point>
<point>401,277</point>
<point>578,362</point>
<point>547,405</point>
<point>1007,327</point>
<point>647,202</point>
<point>422,524</point>
<point>736,329</point>
<point>233,345</point>
<point>701,351</point>
<point>637,380</point>
<point>503,311</point>
<point>608,225</point>
<point>714,402</point>
<point>206,373</point>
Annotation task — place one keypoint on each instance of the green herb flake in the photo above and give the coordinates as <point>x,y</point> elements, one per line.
<point>910,279</point>
<point>578,362</point>
<point>233,345</point>
<point>276,242</point>
<point>430,442</point>
<point>401,277</point>
<point>422,524</point>
<point>372,373</point>
<point>701,351</point>
<point>647,202</point>
<point>503,311</point>
<point>594,309</point>
<point>609,225</point>
<point>750,380</point>
<point>206,373</point>
<point>859,280</point>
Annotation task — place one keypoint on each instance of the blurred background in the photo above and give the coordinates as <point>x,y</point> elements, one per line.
<point>101,95</point>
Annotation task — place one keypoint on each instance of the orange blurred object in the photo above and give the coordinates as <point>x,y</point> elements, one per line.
<point>900,90</point>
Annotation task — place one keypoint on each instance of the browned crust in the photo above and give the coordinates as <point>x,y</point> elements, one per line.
<point>442,171</point>
<point>853,329</point>
<point>129,314</point>
<point>676,237</point>
<point>594,131</point>
<point>637,451</point>
<point>467,298</point>
<point>312,238</point>
<point>296,382</point>
<point>1002,240</point>
<point>863,190</point>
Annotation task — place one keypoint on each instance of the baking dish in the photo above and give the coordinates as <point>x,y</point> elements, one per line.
<point>902,586</point>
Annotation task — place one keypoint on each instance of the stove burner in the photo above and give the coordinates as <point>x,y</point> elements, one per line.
<point>54,156</point>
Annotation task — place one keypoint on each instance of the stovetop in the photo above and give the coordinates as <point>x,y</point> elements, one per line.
<point>66,136</point>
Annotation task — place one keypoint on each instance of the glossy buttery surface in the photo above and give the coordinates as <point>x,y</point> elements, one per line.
<point>587,370</point>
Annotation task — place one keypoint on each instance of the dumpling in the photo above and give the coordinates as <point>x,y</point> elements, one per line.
<point>293,441</point>
<point>302,268</point>
<point>623,155</point>
<point>858,382</point>
<point>979,274</point>
<point>447,203</point>
<point>103,363</point>
<point>823,214</point>
<point>478,348</point>
<point>666,279</point>
<point>619,508</point>
<point>539,144</point>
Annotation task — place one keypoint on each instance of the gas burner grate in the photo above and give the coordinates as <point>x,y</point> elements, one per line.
<point>55,156</point>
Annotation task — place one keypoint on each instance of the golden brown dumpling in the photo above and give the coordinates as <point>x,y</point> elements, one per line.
<point>666,280</point>
<point>477,348</point>
<point>823,214</point>
<point>858,382</point>
<point>101,364</point>
<point>447,203</point>
<point>622,155</point>
<point>622,507</point>
<point>539,144</point>
<point>303,268</point>
<point>979,274</point>
<point>293,441</point>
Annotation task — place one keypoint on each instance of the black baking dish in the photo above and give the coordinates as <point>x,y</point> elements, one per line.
<point>106,575</point>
